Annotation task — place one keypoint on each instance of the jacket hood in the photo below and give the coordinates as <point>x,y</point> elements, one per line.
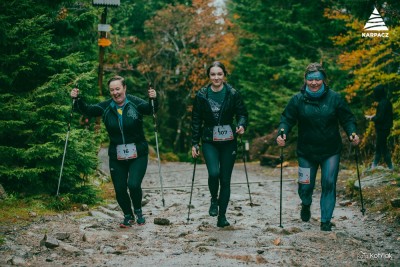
<point>379,92</point>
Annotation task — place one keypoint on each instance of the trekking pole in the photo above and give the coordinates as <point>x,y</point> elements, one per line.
<point>358,176</point>
<point>245,169</point>
<point>191,190</point>
<point>65,146</point>
<point>158,152</point>
<point>280,196</point>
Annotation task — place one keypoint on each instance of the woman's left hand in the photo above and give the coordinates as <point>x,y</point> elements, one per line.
<point>354,139</point>
<point>152,93</point>
<point>240,130</point>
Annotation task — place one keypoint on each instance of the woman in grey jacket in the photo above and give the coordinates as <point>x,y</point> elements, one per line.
<point>214,109</point>
<point>318,111</point>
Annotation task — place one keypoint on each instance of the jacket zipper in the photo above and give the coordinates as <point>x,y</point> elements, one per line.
<point>120,124</point>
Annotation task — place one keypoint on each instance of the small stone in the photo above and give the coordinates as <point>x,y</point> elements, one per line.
<point>260,251</point>
<point>84,207</point>
<point>18,261</point>
<point>51,242</point>
<point>62,236</point>
<point>387,233</point>
<point>161,221</point>
<point>32,214</point>
<point>345,203</point>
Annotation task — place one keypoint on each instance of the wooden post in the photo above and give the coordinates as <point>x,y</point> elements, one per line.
<point>101,53</point>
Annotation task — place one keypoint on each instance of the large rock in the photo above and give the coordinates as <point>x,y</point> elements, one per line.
<point>374,180</point>
<point>395,202</point>
<point>3,193</point>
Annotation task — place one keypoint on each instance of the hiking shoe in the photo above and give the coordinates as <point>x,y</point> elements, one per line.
<point>222,222</point>
<point>305,213</point>
<point>326,226</point>
<point>128,221</point>
<point>140,220</point>
<point>213,211</point>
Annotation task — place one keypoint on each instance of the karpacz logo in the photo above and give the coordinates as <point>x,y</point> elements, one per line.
<point>375,26</point>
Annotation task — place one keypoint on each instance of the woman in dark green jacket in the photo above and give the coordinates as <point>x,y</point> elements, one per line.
<point>128,150</point>
<point>318,111</point>
<point>214,109</point>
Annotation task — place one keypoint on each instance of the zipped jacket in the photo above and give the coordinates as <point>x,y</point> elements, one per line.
<point>131,128</point>
<point>384,112</point>
<point>203,120</point>
<point>318,123</point>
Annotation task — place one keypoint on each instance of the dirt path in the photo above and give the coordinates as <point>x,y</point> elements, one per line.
<point>254,238</point>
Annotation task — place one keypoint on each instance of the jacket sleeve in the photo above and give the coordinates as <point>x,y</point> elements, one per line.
<point>346,118</point>
<point>380,112</point>
<point>95,110</point>
<point>197,122</point>
<point>289,116</point>
<point>242,116</point>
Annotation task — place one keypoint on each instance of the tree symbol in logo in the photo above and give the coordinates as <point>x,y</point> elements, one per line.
<point>375,22</point>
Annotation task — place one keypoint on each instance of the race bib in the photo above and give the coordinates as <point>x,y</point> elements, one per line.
<point>304,175</point>
<point>126,151</point>
<point>222,133</point>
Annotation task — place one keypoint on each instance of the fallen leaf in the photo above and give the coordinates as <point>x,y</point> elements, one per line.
<point>277,241</point>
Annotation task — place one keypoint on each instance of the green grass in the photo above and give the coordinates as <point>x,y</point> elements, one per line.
<point>376,199</point>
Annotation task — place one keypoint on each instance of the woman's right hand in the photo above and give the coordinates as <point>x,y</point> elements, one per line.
<point>281,141</point>
<point>74,93</point>
<point>195,151</point>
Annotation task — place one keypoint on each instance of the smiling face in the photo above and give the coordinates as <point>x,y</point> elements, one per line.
<point>117,92</point>
<point>217,76</point>
<point>314,81</point>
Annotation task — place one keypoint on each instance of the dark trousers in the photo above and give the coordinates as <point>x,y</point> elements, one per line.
<point>329,174</point>
<point>382,148</point>
<point>220,158</point>
<point>127,175</point>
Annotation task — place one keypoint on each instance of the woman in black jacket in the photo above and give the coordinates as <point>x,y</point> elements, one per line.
<point>128,150</point>
<point>383,120</point>
<point>215,106</point>
<point>318,111</point>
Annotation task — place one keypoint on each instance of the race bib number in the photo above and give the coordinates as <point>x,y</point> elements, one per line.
<point>222,133</point>
<point>126,151</point>
<point>304,175</point>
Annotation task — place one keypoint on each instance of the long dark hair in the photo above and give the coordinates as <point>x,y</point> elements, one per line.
<point>216,64</point>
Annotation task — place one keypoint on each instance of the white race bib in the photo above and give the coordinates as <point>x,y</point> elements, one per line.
<point>126,151</point>
<point>222,133</point>
<point>304,175</point>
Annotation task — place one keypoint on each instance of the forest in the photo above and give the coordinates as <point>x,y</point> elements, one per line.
<point>49,47</point>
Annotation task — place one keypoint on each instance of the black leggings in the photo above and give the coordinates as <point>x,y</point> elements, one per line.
<point>128,174</point>
<point>220,158</point>
<point>382,148</point>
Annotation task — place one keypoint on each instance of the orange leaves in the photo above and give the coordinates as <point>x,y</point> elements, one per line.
<point>368,61</point>
<point>182,40</point>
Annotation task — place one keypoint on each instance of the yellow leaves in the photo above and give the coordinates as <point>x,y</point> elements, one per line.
<point>368,61</point>
<point>352,59</point>
<point>335,14</point>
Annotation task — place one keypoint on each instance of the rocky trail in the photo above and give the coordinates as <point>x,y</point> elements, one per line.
<point>93,237</point>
